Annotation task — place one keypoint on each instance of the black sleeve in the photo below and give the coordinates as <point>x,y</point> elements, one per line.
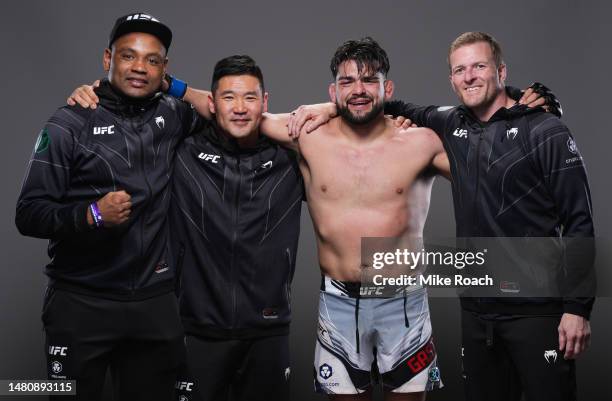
<point>565,177</point>
<point>42,211</point>
<point>433,117</point>
<point>191,120</point>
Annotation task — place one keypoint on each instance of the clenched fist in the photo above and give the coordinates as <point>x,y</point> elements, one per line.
<point>115,208</point>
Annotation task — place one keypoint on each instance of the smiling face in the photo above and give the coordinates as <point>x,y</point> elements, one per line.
<point>136,64</point>
<point>359,95</point>
<point>475,77</point>
<point>238,103</point>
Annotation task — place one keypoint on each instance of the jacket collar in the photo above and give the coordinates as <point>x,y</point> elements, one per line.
<point>117,102</point>
<point>216,136</point>
<point>503,114</point>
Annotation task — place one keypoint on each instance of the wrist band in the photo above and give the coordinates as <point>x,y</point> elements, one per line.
<point>177,87</point>
<point>97,216</point>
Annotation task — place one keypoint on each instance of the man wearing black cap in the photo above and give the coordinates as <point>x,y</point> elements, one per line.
<point>97,188</point>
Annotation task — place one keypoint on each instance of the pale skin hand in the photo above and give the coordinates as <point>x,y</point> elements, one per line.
<point>115,208</point>
<point>574,335</point>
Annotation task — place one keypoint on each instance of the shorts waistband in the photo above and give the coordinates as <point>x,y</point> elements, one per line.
<point>342,288</point>
<point>353,289</point>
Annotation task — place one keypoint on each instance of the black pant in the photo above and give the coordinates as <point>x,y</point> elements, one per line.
<point>506,358</point>
<point>141,342</point>
<point>249,370</point>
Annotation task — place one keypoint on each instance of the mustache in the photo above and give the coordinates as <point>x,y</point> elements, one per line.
<point>360,97</point>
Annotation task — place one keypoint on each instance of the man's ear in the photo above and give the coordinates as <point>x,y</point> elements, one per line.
<point>106,59</point>
<point>211,103</point>
<point>389,87</point>
<point>332,92</point>
<point>165,67</point>
<point>265,102</point>
<point>502,73</point>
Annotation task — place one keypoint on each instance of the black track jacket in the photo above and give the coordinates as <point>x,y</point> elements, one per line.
<point>518,175</point>
<point>235,227</point>
<point>82,154</point>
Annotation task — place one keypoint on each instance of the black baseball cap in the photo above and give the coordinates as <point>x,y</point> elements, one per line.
<point>141,22</point>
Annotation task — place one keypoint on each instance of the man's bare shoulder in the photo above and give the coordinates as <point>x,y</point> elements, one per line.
<point>324,132</point>
<point>416,137</point>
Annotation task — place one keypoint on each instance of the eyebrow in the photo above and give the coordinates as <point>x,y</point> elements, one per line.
<point>129,49</point>
<point>361,77</point>
<point>231,92</point>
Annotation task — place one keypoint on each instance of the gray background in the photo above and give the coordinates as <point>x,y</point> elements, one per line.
<point>50,47</point>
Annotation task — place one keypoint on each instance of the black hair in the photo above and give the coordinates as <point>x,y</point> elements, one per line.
<point>236,65</point>
<point>366,52</point>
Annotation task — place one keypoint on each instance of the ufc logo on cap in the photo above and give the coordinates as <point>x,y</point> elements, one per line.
<point>141,16</point>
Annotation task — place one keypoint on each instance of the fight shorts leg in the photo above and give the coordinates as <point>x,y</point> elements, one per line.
<point>394,333</point>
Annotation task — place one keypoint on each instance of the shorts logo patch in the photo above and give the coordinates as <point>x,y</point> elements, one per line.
<point>56,367</point>
<point>183,398</point>
<point>287,373</point>
<point>325,371</point>
<point>269,313</point>
<point>58,350</point>
<point>184,386</point>
<point>550,356</point>
<point>434,374</point>
<point>422,358</point>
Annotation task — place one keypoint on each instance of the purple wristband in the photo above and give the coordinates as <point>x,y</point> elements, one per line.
<point>95,213</point>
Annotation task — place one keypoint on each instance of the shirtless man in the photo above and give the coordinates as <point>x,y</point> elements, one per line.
<point>366,178</point>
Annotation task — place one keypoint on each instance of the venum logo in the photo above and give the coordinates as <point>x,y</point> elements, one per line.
<point>287,373</point>
<point>185,386</point>
<point>460,133</point>
<point>159,120</point>
<point>104,130</point>
<point>550,356</point>
<point>512,132</point>
<point>54,350</point>
<point>209,158</point>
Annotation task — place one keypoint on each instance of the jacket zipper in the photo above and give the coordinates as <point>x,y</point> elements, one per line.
<point>234,240</point>
<point>148,197</point>
<point>288,281</point>
<point>476,192</point>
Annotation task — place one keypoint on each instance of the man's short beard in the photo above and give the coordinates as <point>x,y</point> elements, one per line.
<point>349,117</point>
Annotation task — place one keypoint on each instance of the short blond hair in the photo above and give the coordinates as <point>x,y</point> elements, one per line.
<point>469,38</point>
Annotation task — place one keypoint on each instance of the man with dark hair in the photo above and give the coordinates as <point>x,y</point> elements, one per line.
<point>235,222</point>
<point>510,345</point>
<point>96,187</point>
<point>237,200</point>
<point>366,178</point>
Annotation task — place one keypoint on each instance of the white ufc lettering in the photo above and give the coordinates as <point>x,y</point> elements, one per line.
<point>53,350</point>
<point>211,158</point>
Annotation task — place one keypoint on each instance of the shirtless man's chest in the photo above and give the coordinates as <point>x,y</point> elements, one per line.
<point>376,187</point>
